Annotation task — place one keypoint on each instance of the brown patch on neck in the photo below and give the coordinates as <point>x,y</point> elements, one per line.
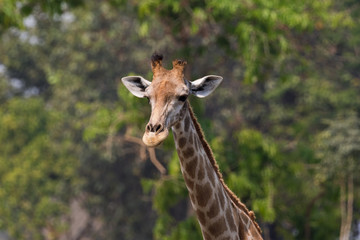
<point>214,164</point>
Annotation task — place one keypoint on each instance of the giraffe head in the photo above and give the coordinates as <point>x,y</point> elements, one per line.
<point>167,95</point>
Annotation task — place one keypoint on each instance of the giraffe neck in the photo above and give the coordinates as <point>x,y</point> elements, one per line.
<point>220,214</point>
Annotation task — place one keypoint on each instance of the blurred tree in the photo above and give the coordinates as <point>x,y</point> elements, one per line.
<point>339,149</point>
<point>257,32</point>
<point>12,13</point>
<point>73,67</point>
<point>60,75</point>
<point>36,175</point>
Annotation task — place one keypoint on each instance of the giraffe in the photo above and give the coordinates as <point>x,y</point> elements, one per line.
<point>220,213</point>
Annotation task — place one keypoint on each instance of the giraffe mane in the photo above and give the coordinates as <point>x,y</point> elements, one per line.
<point>214,164</point>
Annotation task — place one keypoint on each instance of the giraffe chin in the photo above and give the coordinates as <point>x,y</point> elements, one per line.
<point>153,140</point>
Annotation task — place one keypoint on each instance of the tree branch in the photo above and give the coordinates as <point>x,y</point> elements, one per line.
<point>151,152</point>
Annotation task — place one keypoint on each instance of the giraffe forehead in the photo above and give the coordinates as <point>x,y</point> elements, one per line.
<point>167,86</point>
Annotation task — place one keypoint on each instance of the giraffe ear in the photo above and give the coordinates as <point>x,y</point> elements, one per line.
<point>136,85</point>
<point>205,86</point>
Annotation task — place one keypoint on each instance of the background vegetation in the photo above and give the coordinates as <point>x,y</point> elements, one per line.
<point>284,125</point>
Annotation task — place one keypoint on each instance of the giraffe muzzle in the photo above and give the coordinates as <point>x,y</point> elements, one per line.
<point>155,134</point>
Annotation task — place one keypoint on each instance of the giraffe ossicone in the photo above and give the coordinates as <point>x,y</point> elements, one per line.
<point>220,213</point>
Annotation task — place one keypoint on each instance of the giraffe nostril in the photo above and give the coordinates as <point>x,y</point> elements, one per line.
<point>158,128</point>
<point>149,127</point>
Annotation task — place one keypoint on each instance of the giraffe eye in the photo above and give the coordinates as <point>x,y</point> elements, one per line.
<point>183,98</point>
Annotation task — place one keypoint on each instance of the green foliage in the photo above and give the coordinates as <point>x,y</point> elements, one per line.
<point>257,153</point>
<point>76,80</point>
<point>254,31</point>
<point>290,73</point>
<point>9,15</point>
<point>13,12</point>
<point>36,178</point>
<point>339,145</point>
<point>188,229</point>
<point>169,193</point>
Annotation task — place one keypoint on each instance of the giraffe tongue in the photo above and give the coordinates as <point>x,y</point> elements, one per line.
<point>155,139</point>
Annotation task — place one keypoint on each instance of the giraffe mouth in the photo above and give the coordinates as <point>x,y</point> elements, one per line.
<point>152,139</point>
